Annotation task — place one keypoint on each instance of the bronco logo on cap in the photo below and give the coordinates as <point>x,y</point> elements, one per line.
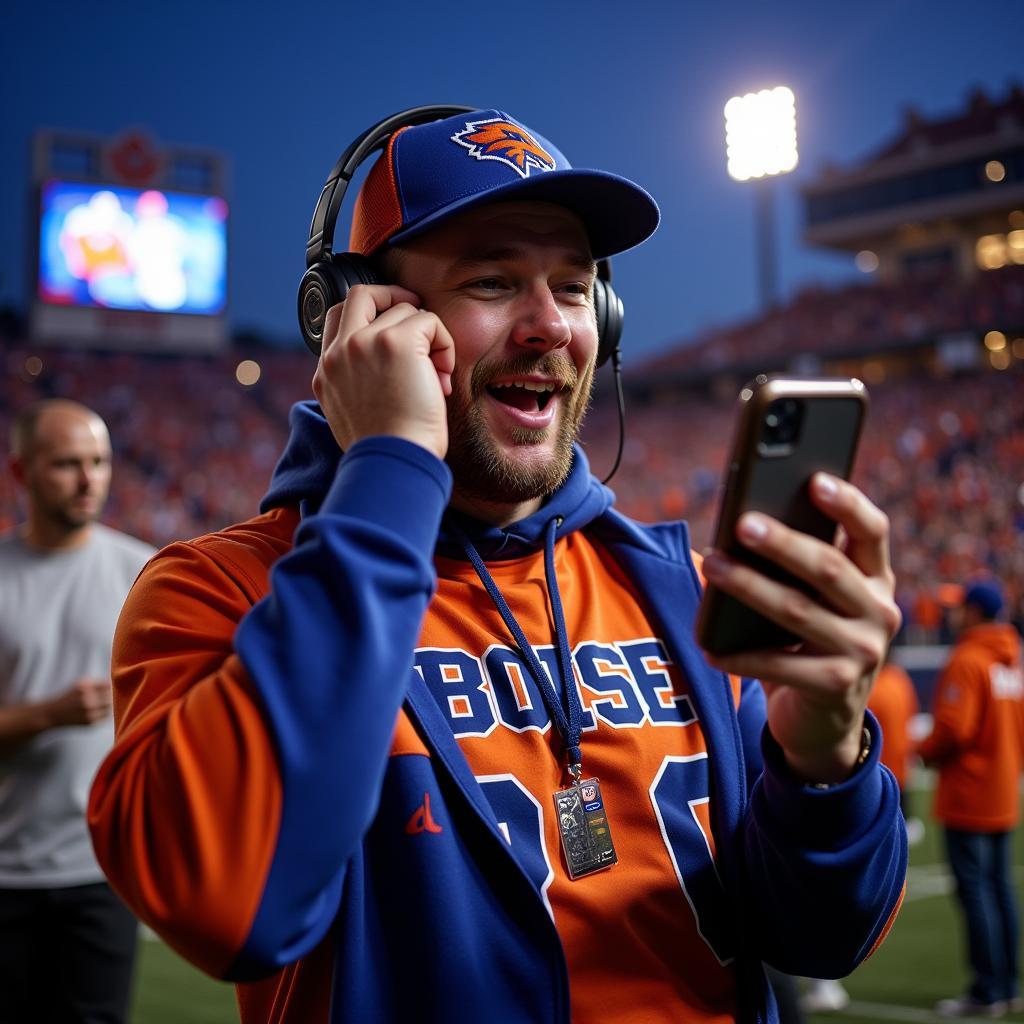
<point>496,139</point>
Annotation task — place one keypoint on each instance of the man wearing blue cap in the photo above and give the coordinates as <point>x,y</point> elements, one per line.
<point>977,746</point>
<point>430,739</point>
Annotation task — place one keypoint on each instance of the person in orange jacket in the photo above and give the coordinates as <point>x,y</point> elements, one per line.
<point>977,746</point>
<point>893,700</point>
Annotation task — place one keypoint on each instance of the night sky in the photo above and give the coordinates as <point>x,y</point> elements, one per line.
<point>635,87</point>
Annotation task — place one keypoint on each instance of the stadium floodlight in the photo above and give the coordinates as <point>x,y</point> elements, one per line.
<point>760,143</point>
<point>760,133</point>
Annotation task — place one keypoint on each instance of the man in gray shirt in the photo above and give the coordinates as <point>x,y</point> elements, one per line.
<point>67,943</point>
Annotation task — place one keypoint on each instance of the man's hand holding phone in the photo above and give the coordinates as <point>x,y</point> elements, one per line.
<point>817,689</point>
<point>385,368</point>
<point>810,618</point>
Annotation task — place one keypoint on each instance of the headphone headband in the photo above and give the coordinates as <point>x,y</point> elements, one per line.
<point>325,216</point>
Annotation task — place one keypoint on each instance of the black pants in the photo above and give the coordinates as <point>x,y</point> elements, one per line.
<point>66,956</point>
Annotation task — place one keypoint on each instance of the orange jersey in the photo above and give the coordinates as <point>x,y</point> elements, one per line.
<point>977,741</point>
<point>894,703</point>
<point>640,738</point>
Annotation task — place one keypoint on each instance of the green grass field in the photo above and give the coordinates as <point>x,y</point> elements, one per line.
<point>170,991</point>
<point>924,957</point>
<point>921,962</point>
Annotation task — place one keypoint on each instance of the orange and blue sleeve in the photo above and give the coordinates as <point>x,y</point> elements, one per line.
<point>185,808</point>
<point>252,740</point>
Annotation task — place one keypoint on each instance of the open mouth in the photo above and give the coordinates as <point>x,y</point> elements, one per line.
<point>527,396</point>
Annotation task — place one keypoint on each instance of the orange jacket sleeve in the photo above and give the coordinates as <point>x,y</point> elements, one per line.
<point>955,709</point>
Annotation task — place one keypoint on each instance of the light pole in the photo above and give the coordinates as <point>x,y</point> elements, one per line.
<point>760,140</point>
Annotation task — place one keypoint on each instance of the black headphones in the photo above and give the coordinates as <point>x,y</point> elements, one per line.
<point>330,275</point>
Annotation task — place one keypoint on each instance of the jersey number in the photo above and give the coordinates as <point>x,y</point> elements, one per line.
<point>680,786</point>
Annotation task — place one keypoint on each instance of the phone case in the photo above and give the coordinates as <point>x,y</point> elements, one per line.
<point>771,476</point>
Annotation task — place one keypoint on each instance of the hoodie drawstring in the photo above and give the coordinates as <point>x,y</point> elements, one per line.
<point>566,711</point>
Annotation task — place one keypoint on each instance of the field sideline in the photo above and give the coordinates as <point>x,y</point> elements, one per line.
<point>921,962</point>
<point>923,959</point>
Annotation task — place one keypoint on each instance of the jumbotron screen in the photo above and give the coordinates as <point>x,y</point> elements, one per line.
<point>124,248</point>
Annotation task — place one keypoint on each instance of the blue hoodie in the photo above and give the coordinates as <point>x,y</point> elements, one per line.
<point>455,929</point>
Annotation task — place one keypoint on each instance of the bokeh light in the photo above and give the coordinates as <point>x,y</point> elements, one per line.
<point>995,171</point>
<point>866,261</point>
<point>247,372</point>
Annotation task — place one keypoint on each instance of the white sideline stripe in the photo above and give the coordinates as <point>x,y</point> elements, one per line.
<point>936,880</point>
<point>885,1011</point>
<point>928,880</point>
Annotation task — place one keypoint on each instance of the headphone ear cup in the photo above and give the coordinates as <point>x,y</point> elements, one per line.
<point>325,284</point>
<point>609,313</point>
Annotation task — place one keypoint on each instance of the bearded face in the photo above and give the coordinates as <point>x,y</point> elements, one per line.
<point>512,284</point>
<point>541,458</point>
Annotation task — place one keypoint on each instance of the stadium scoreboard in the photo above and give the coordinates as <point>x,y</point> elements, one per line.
<point>130,244</point>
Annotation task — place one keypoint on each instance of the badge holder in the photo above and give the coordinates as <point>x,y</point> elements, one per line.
<point>583,826</point>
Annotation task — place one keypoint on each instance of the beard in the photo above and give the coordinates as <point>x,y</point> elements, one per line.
<point>71,519</point>
<point>480,468</point>
<point>64,513</point>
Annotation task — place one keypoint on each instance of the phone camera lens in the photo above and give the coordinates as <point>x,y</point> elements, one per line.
<point>782,422</point>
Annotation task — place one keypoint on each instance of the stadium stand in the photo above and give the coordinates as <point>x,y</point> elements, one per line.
<point>943,456</point>
<point>856,320</point>
<point>937,333</point>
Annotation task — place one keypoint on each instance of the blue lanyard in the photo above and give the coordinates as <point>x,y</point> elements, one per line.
<point>567,717</point>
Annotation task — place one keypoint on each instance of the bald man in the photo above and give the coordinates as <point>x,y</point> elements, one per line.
<point>67,944</point>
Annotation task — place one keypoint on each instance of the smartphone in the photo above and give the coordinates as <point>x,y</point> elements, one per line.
<point>788,428</point>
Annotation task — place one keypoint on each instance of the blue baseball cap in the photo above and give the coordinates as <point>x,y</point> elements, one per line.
<point>430,172</point>
<point>986,596</point>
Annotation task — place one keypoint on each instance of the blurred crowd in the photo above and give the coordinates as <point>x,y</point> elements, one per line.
<point>193,449</point>
<point>943,455</point>
<point>860,317</point>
